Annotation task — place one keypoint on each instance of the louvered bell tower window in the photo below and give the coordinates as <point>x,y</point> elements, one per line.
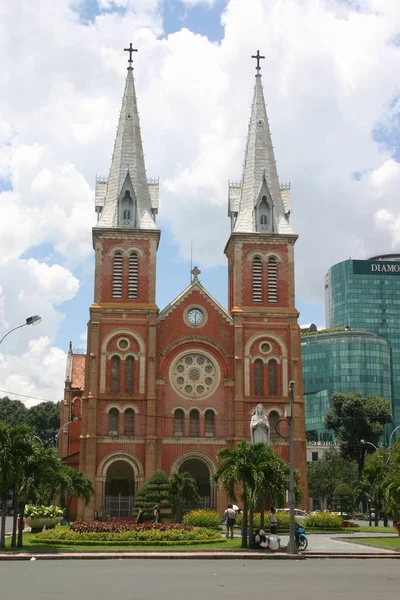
<point>133,276</point>
<point>273,378</point>
<point>117,275</point>
<point>257,279</point>
<point>115,374</point>
<point>258,377</point>
<point>272,280</point>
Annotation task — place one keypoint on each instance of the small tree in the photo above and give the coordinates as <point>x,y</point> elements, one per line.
<point>355,419</point>
<point>183,491</point>
<point>343,498</point>
<point>155,491</point>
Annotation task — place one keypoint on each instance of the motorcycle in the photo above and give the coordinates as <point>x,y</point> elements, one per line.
<point>300,537</point>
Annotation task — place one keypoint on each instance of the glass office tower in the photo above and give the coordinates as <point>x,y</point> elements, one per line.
<point>343,361</point>
<point>366,294</point>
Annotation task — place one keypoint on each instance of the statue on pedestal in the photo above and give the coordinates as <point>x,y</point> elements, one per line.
<point>259,427</point>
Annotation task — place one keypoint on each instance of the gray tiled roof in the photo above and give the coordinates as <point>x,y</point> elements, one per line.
<point>260,167</point>
<point>128,158</point>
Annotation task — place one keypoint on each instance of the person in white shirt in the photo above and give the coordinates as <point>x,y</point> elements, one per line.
<point>273,521</point>
<point>230,520</point>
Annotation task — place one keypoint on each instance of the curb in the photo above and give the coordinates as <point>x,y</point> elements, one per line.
<point>155,555</point>
<point>195,556</point>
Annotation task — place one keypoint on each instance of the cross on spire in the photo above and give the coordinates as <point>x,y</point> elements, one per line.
<point>258,57</point>
<point>195,272</point>
<point>130,50</point>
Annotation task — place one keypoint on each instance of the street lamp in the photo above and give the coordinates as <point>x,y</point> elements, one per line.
<point>62,427</point>
<point>35,320</point>
<point>291,545</point>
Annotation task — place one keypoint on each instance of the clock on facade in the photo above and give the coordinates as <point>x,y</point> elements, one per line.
<point>195,316</point>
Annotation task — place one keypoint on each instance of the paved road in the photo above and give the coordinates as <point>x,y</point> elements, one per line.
<point>200,580</point>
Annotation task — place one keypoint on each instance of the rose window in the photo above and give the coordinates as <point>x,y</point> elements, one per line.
<point>194,375</point>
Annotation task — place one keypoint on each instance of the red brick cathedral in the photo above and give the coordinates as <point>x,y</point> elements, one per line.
<point>167,389</point>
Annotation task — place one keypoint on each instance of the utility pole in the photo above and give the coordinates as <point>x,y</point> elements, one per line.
<point>291,548</point>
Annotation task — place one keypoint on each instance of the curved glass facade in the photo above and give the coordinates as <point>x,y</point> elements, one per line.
<point>366,294</point>
<point>346,361</point>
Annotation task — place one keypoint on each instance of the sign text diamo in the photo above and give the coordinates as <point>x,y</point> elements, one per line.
<point>379,267</point>
<point>384,268</point>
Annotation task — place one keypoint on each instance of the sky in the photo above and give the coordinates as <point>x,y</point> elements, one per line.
<point>331,79</point>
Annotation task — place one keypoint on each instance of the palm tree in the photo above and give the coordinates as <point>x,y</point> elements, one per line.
<point>242,466</point>
<point>16,448</point>
<point>74,484</point>
<point>183,491</point>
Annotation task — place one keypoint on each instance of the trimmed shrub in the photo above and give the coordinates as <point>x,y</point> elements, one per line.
<point>155,491</point>
<point>323,520</point>
<point>34,511</point>
<point>146,536</point>
<point>122,525</point>
<point>203,518</point>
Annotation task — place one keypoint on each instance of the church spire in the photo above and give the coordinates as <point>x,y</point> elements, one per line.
<point>126,201</point>
<point>256,204</point>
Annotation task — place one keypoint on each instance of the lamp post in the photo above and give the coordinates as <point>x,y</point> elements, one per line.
<point>35,320</point>
<point>291,545</point>
<point>62,427</point>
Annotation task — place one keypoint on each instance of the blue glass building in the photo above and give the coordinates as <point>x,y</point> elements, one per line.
<point>365,294</point>
<point>342,361</point>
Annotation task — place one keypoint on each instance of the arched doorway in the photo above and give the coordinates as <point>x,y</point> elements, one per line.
<point>120,490</point>
<point>201,473</point>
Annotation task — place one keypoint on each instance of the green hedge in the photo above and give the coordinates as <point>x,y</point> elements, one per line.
<point>203,518</point>
<point>197,534</point>
<point>323,520</point>
<point>60,542</point>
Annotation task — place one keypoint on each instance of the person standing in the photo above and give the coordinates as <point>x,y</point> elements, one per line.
<point>230,520</point>
<point>140,516</point>
<point>155,515</point>
<point>273,521</point>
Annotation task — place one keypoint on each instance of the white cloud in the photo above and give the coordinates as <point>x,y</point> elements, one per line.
<point>328,79</point>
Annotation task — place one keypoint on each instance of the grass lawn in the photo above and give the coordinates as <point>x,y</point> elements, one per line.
<point>33,548</point>
<point>391,543</point>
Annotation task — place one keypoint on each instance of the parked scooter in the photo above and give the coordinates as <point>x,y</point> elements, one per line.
<point>300,537</point>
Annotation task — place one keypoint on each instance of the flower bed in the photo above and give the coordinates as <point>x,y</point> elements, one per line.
<point>203,518</point>
<point>120,526</point>
<point>323,520</point>
<point>139,536</point>
<point>282,518</point>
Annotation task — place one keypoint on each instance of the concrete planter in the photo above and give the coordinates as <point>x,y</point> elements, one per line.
<point>38,524</point>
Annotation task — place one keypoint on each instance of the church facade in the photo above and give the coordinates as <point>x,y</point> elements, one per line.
<point>167,389</point>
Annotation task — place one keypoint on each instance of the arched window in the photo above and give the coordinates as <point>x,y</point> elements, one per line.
<point>194,423</point>
<point>273,377</point>
<point>273,419</point>
<point>209,423</point>
<point>257,279</point>
<point>115,374</point>
<point>117,275</point>
<point>113,422</point>
<point>263,219</point>
<point>178,421</point>
<point>258,377</point>
<point>126,210</point>
<point>129,373</point>
<point>264,216</point>
<point>272,280</point>
<point>76,408</point>
<point>133,275</point>
<point>129,421</point>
